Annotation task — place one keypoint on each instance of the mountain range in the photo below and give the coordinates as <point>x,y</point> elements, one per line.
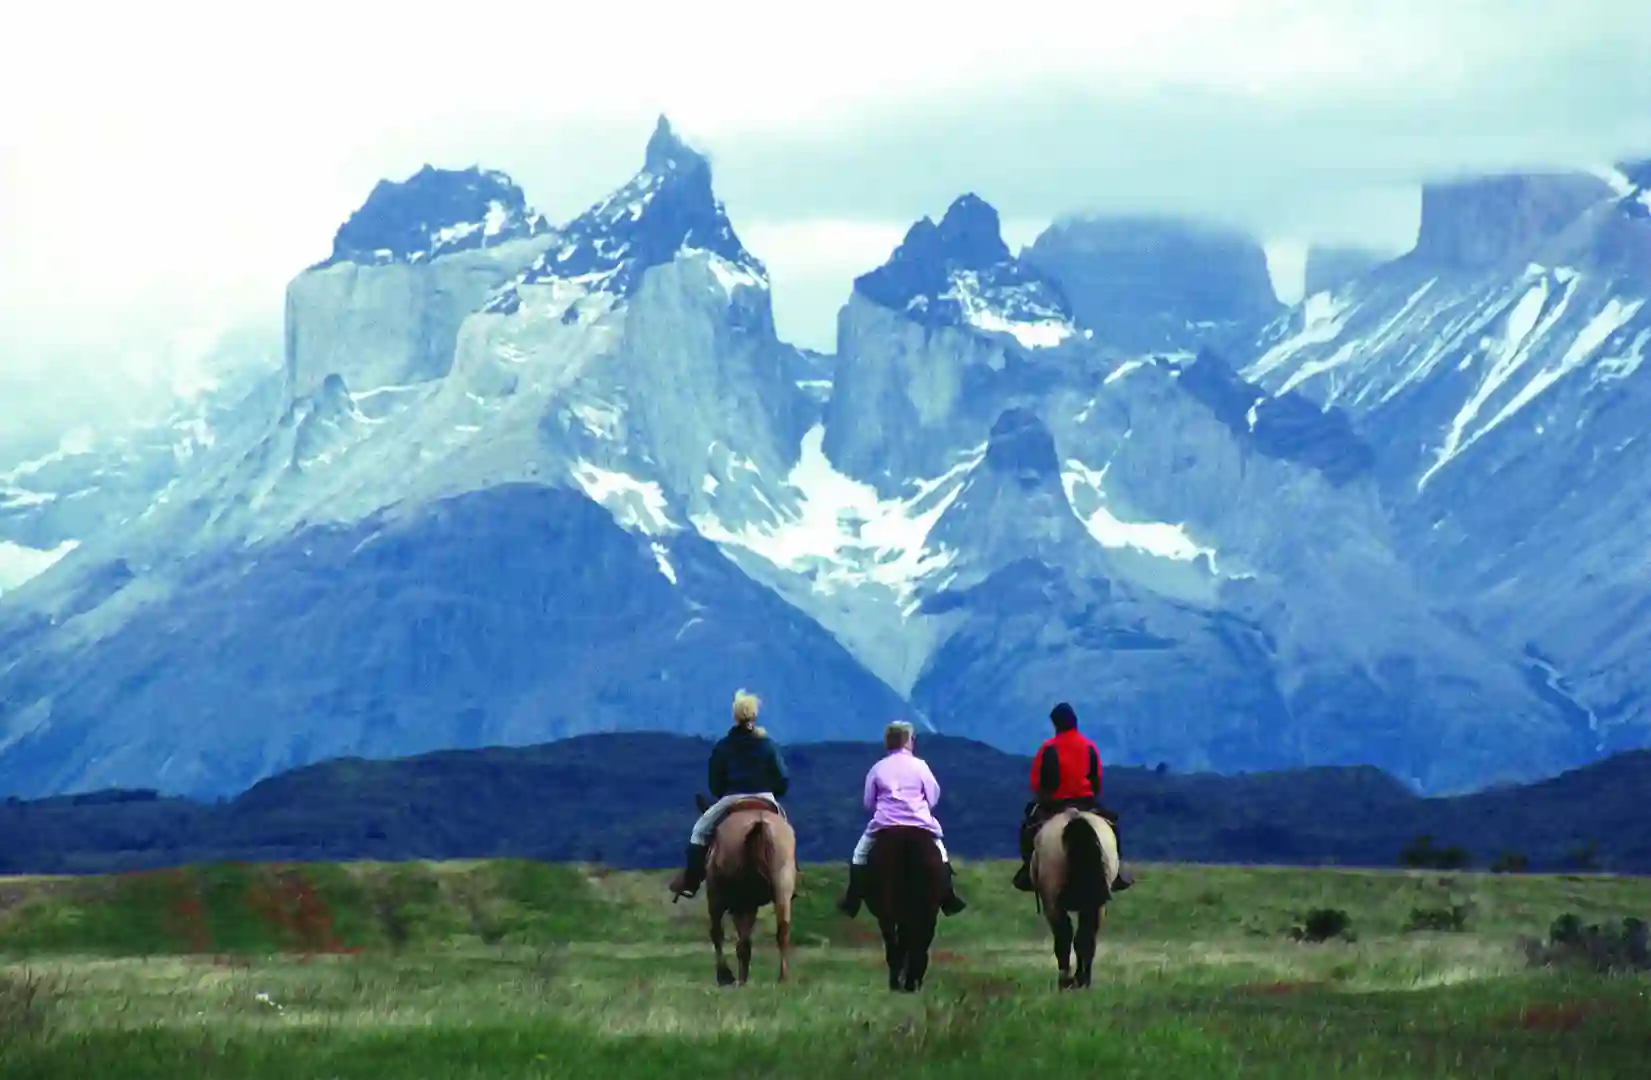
<point>516,481</point>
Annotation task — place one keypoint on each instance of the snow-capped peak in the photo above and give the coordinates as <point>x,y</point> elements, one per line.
<point>666,210</point>
<point>432,213</point>
<point>960,273</point>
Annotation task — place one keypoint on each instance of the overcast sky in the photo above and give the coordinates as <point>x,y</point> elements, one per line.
<point>166,167</point>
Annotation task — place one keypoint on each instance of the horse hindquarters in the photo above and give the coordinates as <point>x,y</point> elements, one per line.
<point>1085,886</point>
<point>1085,893</point>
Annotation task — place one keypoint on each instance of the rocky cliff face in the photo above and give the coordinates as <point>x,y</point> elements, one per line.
<point>1496,371</point>
<point>1157,284</point>
<point>383,310</point>
<point>1482,222</point>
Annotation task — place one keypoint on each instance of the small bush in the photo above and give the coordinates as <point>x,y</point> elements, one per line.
<point>1324,924</point>
<point>1510,862</point>
<point>1453,919</point>
<point>1421,854</point>
<point>1608,947</point>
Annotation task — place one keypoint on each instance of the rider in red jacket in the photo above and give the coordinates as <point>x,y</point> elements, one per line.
<point>1066,772</point>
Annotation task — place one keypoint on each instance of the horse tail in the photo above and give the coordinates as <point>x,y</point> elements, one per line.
<point>759,851</point>
<point>1086,884</point>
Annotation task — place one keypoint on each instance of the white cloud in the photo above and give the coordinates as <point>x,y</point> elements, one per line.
<point>166,165</point>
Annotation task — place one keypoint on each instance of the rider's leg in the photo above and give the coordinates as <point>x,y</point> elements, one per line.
<point>950,903</point>
<point>689,879</point>
<point>1028,832</point>
<point>850,903</point>
<point>1124,879</point>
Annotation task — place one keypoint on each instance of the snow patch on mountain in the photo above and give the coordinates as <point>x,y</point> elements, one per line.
<point>1014,310</point>
<point>841,534</point>
<point>1087,487</point>
<point>635,504</point>
<point>18,563</point>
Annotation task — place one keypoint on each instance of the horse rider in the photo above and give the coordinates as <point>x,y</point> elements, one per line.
<point>1066,773</point>
<point>745,764</point>
<point>899,790</point>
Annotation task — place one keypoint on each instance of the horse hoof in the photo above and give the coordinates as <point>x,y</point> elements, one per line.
<point>1067,982</point>
<point>725,978</point>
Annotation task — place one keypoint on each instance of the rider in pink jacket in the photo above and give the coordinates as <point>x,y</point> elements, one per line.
<point>900,790</point>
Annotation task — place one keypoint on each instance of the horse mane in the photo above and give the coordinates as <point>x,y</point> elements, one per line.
<point>1086,883</point>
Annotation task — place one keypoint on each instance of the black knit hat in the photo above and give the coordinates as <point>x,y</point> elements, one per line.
<point>1063,716</point>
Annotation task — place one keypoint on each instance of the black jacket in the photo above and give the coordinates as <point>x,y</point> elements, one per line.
<point>744,761</point>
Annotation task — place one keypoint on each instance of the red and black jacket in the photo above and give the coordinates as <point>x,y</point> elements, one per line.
<point>1067,768</point>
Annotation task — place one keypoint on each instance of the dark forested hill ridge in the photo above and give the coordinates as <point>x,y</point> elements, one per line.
<point>626,800</point>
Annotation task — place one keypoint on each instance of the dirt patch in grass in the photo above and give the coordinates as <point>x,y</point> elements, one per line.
<point>1280,989</point>
<point>1562,1015</point>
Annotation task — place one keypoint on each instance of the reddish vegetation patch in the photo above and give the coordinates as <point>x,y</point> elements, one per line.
<point>185,917</point>
<point>1563,1016</point>
<point>946,956</point>
<point>1279,988</point>
<point>860,934</point>
<point>287,900</point>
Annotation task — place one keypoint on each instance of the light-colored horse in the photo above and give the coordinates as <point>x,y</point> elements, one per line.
<point>1074,863</point>
<point>752,862</point>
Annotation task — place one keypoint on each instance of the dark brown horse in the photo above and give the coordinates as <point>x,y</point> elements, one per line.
<point>752,862</point>
<point>1074,863</point>
<point>905,883</point>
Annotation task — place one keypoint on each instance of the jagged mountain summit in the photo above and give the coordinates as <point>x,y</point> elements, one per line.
<point>435,212</point>
<point>960,273</point>
<point>569,479</point>
<point>1498,369</point>
<point>666,210</point>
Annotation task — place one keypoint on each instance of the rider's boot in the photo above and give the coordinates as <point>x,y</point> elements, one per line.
<point>1023,876</point>
<point>1124,878</point>
<point>951,903</point>
<point>850,903</point>
<point>689,879</point>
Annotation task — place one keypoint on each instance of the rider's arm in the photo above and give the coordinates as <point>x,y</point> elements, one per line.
<point>1095,773</point>
<point>781,775</point>
<point>718,778</point>
<point>931,786</point>
<point>1049,772</point>
<point>868,793</point>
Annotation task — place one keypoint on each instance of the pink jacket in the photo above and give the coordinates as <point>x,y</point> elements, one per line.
<point>901,790</point>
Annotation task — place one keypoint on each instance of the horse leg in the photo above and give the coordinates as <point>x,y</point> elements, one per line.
<point>1061,923</point>
<point>892,952</point>
<point>782,934</point>
<point>919,936</point>
<point>725,977</point>
<point>744,923</point>
<point>1089,922</point>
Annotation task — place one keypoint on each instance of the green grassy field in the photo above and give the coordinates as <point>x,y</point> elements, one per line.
<point>515,969</point>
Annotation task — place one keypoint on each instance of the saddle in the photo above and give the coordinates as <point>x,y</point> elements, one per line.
<point>702,804</point>
<point>1036,814</point>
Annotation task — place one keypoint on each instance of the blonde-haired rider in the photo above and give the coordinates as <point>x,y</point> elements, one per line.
<point>745,764</point>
